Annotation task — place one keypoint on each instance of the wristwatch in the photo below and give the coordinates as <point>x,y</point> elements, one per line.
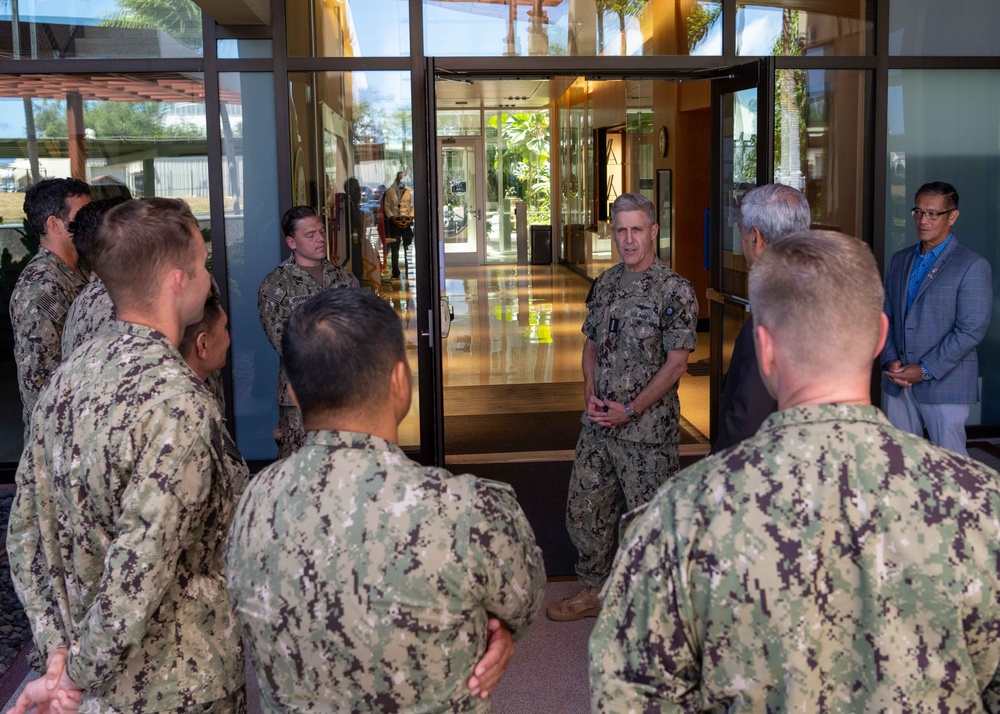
<point>632,416</point>
<point>925,375</point>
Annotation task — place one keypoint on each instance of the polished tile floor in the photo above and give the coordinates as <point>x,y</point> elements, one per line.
<point>519,325</point>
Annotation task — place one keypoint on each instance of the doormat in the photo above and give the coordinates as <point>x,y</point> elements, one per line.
<point>529,431</point>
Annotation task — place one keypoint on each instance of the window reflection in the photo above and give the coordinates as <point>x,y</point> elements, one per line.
<point>351,136</point>
<point>819,139</point>
<point>102,29</point>
<point>361,28</point>
<point>571,28</point>
<point>140,133</point>
<point>780,28</point>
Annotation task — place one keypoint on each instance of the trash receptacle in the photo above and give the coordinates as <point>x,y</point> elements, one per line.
<point>541,245</point>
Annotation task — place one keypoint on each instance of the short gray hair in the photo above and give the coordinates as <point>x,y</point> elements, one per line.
<point>775,210</point>
<point>633,202</point>
<point>820,294</point>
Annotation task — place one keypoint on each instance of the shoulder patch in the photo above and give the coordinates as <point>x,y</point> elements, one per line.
<point>51,308</point>
<point>273,293</point>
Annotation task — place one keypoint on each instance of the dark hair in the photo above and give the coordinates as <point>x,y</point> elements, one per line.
<point>340,348</point>
<point>633,202</point>
<point>207,323</point>
<point>939,188</point>
<point>292,217</point>
<point>84,226</point>
<point>136,241</point>
<point>48,198</point>
<point>775,210</point>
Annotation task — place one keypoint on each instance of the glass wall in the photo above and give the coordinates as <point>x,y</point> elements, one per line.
<point>828,28</point>
<point>140,133</point>
<point>942,126</point>
<point>588,28</point>
<point>100,29</point>
<point>931,28</point>
<point>361,28</point>
<point>819,127</point>
<point>351,135</point>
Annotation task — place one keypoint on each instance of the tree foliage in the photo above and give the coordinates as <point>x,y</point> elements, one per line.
<point>180,19</point>
<point>112,120</point>
<point>700,21</point>
<point>526,149</point>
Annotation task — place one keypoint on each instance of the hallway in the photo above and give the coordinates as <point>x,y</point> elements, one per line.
<point>515,348</point>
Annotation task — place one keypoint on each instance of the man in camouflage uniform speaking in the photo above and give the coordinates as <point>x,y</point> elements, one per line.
<point>830,562</point>
<point>123,501</point>
<point>47,286</point>
<point>364,581</point>
<point>303,274</point>
<point>641,327</point>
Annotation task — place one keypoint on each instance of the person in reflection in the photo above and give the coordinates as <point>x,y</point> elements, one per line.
<point>939,299</point>
<point>47,286</point>
<point>363,580</point>
<point>303,274</point>
<point>204,346</point>
<point>123,499</point>
<point>830,562</point>
<point>640,329</point>
<point>397,206</point>
<point>767,213</point>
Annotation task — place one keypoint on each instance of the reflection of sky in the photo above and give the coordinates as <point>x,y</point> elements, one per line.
<point>81,12</point>
<point>757,28</point>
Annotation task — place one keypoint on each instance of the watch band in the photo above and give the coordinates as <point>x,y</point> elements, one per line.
<point>925,375</point>
<point>632,416</point>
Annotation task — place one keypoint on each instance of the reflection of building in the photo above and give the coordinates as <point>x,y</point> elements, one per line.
<point>288,108</point>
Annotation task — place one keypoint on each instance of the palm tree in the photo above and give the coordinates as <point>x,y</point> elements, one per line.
<point>623,9</point>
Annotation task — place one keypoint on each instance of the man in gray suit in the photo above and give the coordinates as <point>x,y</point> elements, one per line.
<point>938,297</point>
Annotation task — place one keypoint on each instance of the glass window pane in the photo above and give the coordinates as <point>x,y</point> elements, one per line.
<point>928,142</point>
<point>819,126</point>
<point>100,29</point>
<point>777,28</point>
<point>244,49</point>
<point>361,28</point>
<point>586,28</point>
<point>253,248</point>
<point>932,28</point>
<point>144,134</point>
<point>468,122</point>
<point>351,135</point>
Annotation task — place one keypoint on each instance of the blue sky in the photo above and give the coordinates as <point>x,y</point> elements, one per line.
<point>83,12</point>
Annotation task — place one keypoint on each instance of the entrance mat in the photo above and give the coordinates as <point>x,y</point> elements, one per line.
<point>530,431</point>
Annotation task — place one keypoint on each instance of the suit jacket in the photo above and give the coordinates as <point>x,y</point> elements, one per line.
<point>745,403</point>
<point>949,317</point>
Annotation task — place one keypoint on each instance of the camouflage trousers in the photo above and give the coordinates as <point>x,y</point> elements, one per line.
<point>290,434</point>
<point>610,477</point>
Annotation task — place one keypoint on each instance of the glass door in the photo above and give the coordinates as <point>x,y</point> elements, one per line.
<point>461,199</point>
<point>743,157</point>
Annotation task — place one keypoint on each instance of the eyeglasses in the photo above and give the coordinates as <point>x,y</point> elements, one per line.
<point>932,215</point>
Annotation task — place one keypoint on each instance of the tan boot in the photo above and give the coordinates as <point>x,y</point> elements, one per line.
<point>586,603</point>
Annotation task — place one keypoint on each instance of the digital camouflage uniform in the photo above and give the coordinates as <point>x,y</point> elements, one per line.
<point>284,289</point>
<point>620,469</point>
<point>117,528</point>
<point>363,580</point>
<point>90,314</point>
<point>829,563</point>
<point>38,306</point>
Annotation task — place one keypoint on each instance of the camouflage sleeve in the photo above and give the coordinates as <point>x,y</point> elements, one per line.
<point>641,654</point>
<point>590,321</point>
<point>274,310</point>
<point>680,318</point>
<point>29,568</point>
<point>161,504</point>
<point>509,567</point>
<point>38,317</point>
